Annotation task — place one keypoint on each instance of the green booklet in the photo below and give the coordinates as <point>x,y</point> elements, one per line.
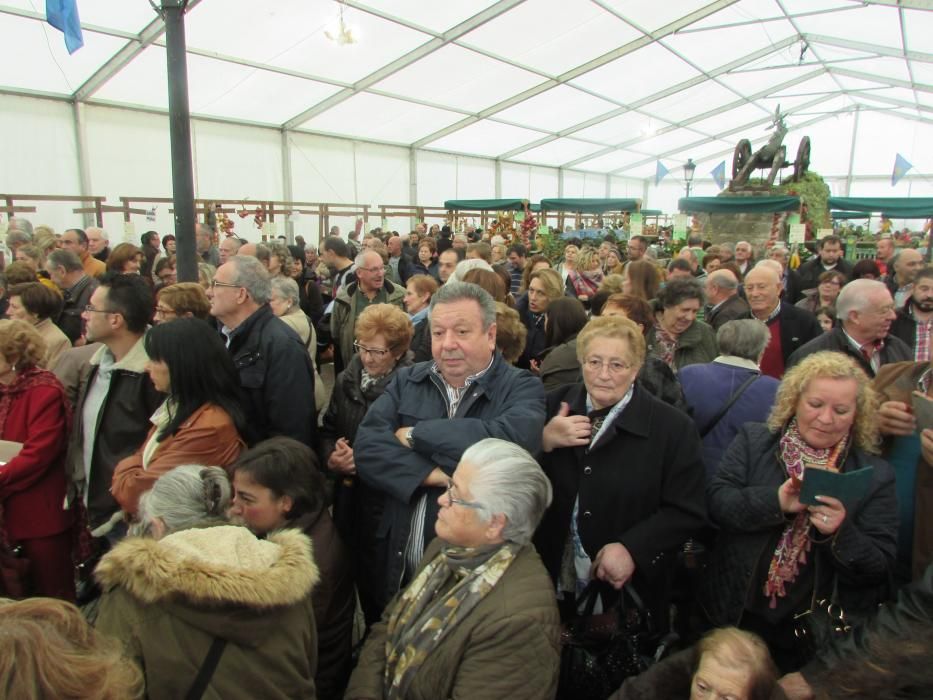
<point>848,487</point>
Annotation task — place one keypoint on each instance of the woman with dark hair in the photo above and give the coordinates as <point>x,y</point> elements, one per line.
<point>35,303</point>
<point>168,244</point>
<point>202,419</point>
<point>865,269</point>
<point>827,291</point>
<point>278,485</point>
<point>35,412</point>
<point>533,264</point>
<point>565,318</point>
<point>383,335</point>
<point>675,335</point>
<point>125,258</point>
<point>426,264</point>
<point>309,294</point>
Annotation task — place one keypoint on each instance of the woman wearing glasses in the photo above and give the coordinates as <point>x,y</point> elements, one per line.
<point>182,300</point>
<point>478,619</point>
<point>626,471</point>
<point>383,335</point>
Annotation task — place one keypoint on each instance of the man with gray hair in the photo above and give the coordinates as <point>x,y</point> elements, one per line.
<point>270,358</point>
<point>19,232</point>
<point>722,295</point>
<point>864,313</point>
<point>204,237</point>
<point>413,436</point>
<point>66,271</point>
<point>731,390</point>
<point>370,287</point>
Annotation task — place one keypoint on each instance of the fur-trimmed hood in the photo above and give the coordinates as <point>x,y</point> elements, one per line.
<point>221,579</point>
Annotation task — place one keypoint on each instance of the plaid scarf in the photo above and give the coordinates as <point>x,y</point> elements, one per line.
<point>440,596</point>
<point>794,543</point>
<point>666,344</point>
<point>585,283</point>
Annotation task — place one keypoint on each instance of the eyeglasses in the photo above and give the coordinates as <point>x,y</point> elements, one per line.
<point>163,311</point>
<point>595,364</point>
<point>377,353</point>
<point>91,310</point>
<point>215,283</point>
<point>453,500</point>
<point>370,270</point>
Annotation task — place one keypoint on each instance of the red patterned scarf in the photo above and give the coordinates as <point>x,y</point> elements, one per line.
<point>24,382</point>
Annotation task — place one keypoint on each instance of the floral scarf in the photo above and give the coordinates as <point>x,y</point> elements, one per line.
<point>585,283</point>
<point>666,344</point>
<point>440,596</point>
<point>794,543</point>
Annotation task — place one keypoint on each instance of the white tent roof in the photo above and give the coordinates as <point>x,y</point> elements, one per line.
<point>607,86</point>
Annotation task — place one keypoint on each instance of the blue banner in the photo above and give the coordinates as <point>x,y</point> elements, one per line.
<point>660,172</point>
<point>901,166</point>
<point>719,174</point>
<point>63,15</point>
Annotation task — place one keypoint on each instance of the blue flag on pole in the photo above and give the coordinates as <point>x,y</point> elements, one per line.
<point>901,166</point>
<point>719,174</point>
<point>660,172</point>
<point>63,15</point>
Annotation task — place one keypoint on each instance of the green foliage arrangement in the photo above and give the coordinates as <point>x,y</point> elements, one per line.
<point>815,193</point>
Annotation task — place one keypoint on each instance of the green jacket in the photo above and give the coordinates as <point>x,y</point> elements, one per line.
<point>696,345</point>
<point>507,647</point>
<point>167,600</point>
<point>343,317</point>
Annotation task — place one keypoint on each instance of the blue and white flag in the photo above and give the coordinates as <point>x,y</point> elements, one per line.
<point>63,15</point>
<point>660,173</point>
<point>719,174</point>
<point>901,166</point>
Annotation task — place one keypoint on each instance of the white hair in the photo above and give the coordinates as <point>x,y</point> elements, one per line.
<point>464,266</point>
<point>856,296</point>
<point>508,481</point>
<point>185,497</point>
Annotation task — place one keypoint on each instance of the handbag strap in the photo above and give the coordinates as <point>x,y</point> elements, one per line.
<point>727,405</point>
<point>206,672</point>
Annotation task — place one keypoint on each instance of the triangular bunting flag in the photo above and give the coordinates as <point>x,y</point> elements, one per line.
<point>719,174</point>
<point>63,15</point>
<point>901,166</point>
<point>660,173</point>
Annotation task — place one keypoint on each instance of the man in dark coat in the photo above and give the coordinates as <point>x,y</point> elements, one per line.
<point>790,327</point>
<point>791,283</point>
<point>270,358</point>
<point>414,434</point>
<point>828,257</point>
<point>865,311</point>
<point>915,318</point>
<point>722,295</point>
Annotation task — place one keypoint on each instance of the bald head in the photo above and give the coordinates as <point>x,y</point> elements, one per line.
<point>763,289</point>
<point>906,264</point>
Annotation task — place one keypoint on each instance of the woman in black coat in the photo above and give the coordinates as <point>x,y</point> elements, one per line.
<point>775,556</point>
<point>383,335</point>
<point>626,472</point>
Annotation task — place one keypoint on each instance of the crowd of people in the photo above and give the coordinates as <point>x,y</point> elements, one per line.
<point>509,442</point>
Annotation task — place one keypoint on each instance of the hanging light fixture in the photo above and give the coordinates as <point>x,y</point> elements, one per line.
<point>341,33</point>
<point>689,168</point>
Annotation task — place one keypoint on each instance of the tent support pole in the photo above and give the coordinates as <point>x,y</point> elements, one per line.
<point>852,151</point>
<point>288,195</point>
<point>84,173</point>
<point>180,134</point>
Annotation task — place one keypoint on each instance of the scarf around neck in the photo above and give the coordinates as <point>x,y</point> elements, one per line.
<point>440,596</point>
<point>25,381</point>
<point>794,543</point>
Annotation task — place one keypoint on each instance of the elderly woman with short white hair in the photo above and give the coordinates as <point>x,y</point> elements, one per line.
<point>479,618</point>
<point>284,303</point>
<point>205,608</point>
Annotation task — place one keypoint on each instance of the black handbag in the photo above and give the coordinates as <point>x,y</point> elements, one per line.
<point>824,623</point>
<point>598,652</point>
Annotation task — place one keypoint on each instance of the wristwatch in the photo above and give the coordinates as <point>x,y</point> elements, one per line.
<point>408,438</point>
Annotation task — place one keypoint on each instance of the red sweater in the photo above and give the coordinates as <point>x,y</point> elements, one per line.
<point>772,364</point>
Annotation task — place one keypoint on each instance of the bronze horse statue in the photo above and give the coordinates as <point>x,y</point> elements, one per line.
<point>772,155</point>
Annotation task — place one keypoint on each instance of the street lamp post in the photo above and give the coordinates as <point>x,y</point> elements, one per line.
<point>689,168</point>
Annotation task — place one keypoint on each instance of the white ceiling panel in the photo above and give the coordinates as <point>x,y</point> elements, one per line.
<point>397,122</point>
<point>798,6</point>
<point>651,15</point>
<point>292,34</point>
<point>749,82</point>
<point>918,26</point>
<point>922,72</point>
<point>556,109</point>
<point>731,119</point>
<point>552,37</point>
<point>800,93</point>
<point>557,152</point>
<point>33,56</point>
<point>691,102</point>
<point>715,47</point>
<point>872,24</point>
<point>459,78</point>
<point>436,16</point>
<point>622,128</point>
<point>125,15</point>
<point>627,80</point>
<point>662,143</point>
<point>486,138</point>
<point>749,12</point>
<point>610,161</point>
<point>882,67</point>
